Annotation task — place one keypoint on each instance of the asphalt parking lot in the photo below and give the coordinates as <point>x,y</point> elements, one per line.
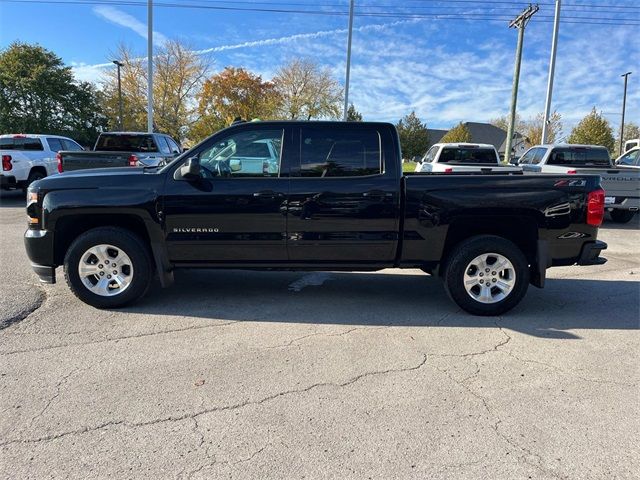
<point>313,375</point>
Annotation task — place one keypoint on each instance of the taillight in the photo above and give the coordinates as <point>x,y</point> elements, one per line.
<point>595,208</point>
<point>6,163</point>
<point>571,172</point>
<point>59,160</point>
<point>448,170</point>
<point>133,161</point>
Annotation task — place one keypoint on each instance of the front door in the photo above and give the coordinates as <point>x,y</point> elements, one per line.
<point>236,211</point>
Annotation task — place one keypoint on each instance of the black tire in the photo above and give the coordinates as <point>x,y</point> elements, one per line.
<point>34,176</point>
<point>127,242</point>
<point>460,259</point>
<point>622,216</point>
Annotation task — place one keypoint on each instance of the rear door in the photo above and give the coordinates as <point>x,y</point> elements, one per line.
<point>343,204</point>
<point>234,214</point>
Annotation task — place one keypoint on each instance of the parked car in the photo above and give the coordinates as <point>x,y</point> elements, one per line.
<point>337,201</point>
<point>27,158</point>
<point>121,149</point>
<point>629,159</point>
<point>621,184</point>
<point>629,144</point>
<point>462,157</point>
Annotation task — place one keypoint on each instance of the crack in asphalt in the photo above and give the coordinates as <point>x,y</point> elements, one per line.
<point>117,339</point>
<point>217,409</point>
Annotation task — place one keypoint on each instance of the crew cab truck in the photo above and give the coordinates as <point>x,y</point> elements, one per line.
<point>337,201</point>
<point>27,158</point>
<point>462,157</point>
<point>120,149</point>
<point>622,185</point>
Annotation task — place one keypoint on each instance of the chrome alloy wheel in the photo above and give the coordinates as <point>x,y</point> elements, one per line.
<point>489,278</point>
<point>105,270</point>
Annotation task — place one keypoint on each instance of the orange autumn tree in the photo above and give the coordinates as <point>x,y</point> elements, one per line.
<point>232,93</point>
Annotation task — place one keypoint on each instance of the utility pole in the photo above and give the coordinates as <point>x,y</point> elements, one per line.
<point>119,64</point>
<point>150,66</point>
<point>624,105</point>
<point>346,83</point>
<point>552,68</point>
<point>520,22</point>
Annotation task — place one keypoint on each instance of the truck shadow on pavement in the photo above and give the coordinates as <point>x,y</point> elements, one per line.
<point>388,299</point>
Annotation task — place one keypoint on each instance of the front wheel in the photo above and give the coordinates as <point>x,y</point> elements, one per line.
<point>108,267</point>
<point>622,216</point>
<point>487,275</point>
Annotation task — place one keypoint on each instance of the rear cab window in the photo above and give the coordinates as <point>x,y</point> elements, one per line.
<point>55,144</point>
<point>474,155</point>
<point>21,143</point>
<point>328,152</point>
<point>580,157</point>
<point>141,143</point>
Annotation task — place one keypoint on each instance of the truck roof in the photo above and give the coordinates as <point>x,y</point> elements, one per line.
<point>569,145</point>
<point>464,145</point>
<point>30,135</point>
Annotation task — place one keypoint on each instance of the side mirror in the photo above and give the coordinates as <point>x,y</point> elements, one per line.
<point>190,170</point>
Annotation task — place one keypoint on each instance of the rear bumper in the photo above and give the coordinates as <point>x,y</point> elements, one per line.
<point>8,182</point>
<point>39,246</point>
<point>590,254</point>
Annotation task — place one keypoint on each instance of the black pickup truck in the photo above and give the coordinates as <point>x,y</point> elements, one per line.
<point>310,196</point>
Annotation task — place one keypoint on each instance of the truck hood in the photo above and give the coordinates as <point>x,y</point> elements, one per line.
<point>126,177</point>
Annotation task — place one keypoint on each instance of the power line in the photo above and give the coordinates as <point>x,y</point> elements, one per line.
<point>487,16</point>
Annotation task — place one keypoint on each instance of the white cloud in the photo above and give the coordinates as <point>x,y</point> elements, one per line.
<point>123,19</point>
<point>89,73</point>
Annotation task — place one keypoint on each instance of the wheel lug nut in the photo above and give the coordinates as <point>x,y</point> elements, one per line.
<point>481,281</point>
<point>108,276</point>
<point>494,280</point>
<point>100,266</point>
<point>115,272</point>
<point>493,273</point>
<point>101,273</point>
<point>482,274</point>
<point>486,270</point>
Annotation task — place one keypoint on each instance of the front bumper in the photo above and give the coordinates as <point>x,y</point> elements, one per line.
<point>590,254</point>
<point>39,245</point>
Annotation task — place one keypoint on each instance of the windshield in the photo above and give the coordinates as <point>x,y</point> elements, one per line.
<point>126,143</point>
<point>468,155</point>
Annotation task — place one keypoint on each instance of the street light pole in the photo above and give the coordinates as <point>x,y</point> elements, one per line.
<point>150,66</point>
<point>520,22</point>
<point>120,122</point>
<point>624,105</point>
<point>346,84</point>
<point>552,68</point>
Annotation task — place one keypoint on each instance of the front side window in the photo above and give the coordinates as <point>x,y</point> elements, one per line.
<point>254,153</point>
<point>329,152</point>
<point>538,154</point>
<point>430,155</point>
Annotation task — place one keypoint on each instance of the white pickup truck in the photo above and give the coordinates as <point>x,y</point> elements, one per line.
<point>622,185</point>
<point>462,157</point>
<point>27,158</point>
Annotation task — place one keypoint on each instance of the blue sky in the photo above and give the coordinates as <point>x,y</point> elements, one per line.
<point>447,70</point>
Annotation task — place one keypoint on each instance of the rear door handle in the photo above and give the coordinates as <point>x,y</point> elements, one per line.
<point>268,194</point>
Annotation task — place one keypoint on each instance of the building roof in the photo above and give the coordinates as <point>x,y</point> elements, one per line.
<point>487,133</point>
<point>435,135</point>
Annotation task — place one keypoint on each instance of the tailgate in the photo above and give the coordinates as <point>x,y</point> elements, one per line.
<point>618,182</point>
<point>84,160</point>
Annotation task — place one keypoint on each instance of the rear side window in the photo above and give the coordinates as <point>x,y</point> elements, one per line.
<point>126,143</point>
<point>55,144</point>
<point>164,146</point>
<point>329,152</point>
<point>173,145</point>
<point>467,155</point>
<point>21,143</point>
<point>580,157</point>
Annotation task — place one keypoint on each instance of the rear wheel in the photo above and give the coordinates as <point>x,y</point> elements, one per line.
<point>34,176</point>
<point>622,216</point>
<point>487,275</point>
<point>108,267</point>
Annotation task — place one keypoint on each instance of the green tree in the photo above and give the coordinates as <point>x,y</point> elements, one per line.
<point>353,115</point>
<point>503,123</point>
<point>232,93</point>
<point>458,134</point>
<point>414,136</point>
<point>593,129</point>
<point>306,91</point>
<point>532,129</point>
<point>631,130</point>
<point>38,94</point>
